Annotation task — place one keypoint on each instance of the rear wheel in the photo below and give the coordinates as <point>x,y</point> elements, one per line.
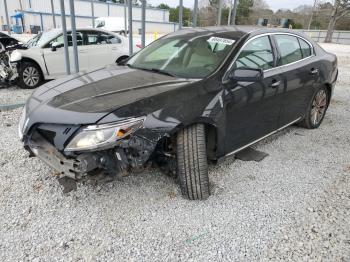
<point>317,109</point>
<point>192,166</point>
<point>29,75</point>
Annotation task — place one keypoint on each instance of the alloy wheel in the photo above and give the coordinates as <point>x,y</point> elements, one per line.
<point>31,76</point>
<point>319,105</point>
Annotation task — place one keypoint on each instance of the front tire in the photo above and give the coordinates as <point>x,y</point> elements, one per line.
<point>192,165</point>
<point>316,110</point>
<point>30,76</point>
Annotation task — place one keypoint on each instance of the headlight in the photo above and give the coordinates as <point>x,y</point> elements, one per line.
<point>97,136</point>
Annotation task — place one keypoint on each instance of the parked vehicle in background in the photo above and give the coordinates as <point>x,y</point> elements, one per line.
<point>44,57</point>
<point>8,70</point>
<point>191,96</point>
<point>6,40</point>
<point>113,24</point>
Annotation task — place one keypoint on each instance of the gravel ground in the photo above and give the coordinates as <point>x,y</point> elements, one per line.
<point>294,205</point>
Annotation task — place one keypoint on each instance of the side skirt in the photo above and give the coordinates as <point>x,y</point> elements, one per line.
<point>256,141</point>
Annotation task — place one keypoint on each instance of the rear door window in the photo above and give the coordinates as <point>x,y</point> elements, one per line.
<point>100,38</point>
<point>289,49</point>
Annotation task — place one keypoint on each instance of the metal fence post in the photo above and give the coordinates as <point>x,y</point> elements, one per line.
<point>65,40</point>
<point>41,22</point>
<point>7,18</point>
<point>74,36</point>
<point>130,27</point>
<point>143,24</point>
<point>53,14</point>
<point>125,18</point>
<point>234,12</point>
<point>180,14</point>
<point>93,13</point>
<point>219,12</point>
<point>195,9</point>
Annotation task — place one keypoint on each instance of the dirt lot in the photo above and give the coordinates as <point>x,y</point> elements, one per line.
<point>294,205</point>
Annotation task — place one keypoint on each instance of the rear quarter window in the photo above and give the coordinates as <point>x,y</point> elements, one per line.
<point>305,48</point>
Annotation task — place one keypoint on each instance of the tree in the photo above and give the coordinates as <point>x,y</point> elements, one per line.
<point>339,10</point>
<point>244,9</point>
<point>260,4</point>
<point>174,15</point>
<point>164,6</point>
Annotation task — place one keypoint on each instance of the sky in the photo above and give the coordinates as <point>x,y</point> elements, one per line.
<point>274,4</point>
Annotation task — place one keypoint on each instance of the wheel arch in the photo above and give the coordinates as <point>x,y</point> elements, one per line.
<point>211,133</point>
<point>330,92</point>
<point>30,60</point>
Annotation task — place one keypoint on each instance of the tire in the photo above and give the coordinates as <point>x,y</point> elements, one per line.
<point>192,165</point>
<point>317,109</point>
<point>30,76</point>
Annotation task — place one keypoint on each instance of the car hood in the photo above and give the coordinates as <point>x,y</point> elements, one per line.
<point>85,98</point>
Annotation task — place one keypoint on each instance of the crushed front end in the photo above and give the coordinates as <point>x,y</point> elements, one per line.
<point>75,151</point>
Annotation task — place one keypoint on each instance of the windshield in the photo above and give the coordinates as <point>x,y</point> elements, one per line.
<point>41,38</point>
<point>189,58</point>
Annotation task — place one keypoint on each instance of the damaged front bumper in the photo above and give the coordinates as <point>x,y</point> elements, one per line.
<point>132,152</point>
<point>71,167</point>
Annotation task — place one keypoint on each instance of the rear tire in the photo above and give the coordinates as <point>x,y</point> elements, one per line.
<point>30,76</point>
<point>316,110</point>
<point>192,165</point>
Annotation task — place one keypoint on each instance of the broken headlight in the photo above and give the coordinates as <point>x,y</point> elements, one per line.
<point>103,136</point>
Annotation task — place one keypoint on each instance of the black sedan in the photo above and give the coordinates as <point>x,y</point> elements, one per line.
<point>191,97</point>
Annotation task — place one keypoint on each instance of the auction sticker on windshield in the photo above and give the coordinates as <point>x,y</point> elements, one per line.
<point>219,40</point>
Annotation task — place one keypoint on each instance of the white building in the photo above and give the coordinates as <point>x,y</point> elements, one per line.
<point>38,13</point>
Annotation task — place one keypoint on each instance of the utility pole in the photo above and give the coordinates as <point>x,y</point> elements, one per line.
<point>143,24</point>
<point>53,14</point>
<point>74,36</point>
<point>130,27</point>
<point>93,13</point>
<point>65,40</point>
<point>22,18</point>
<point>180,14</point>
<point>312,15</point>
<point>195,10</point>
<point>7,18</point>
<point>219,12</point>
<point>234,12</point>
<point>125,18</point>
<point>229,14</point>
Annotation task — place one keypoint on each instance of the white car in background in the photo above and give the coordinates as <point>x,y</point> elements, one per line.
<point>44,57</point>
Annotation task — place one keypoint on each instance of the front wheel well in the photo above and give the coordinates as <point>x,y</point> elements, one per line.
<point>29,60</point>
<point>211,138</point>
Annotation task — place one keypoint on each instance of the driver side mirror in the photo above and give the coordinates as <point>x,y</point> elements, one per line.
<point>55,45</point>
<point>246,75</point>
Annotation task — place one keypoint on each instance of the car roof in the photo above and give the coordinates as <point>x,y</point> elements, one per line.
<point>232,32</point>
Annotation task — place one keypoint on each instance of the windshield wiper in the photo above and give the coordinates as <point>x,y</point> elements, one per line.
<point>155,70</point>
<point>160,71</point>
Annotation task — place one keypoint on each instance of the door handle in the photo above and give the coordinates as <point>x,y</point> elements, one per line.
<point>314,71</point>
<point>275,83</point>
<point>114,48</point>
<point>82,51</point>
